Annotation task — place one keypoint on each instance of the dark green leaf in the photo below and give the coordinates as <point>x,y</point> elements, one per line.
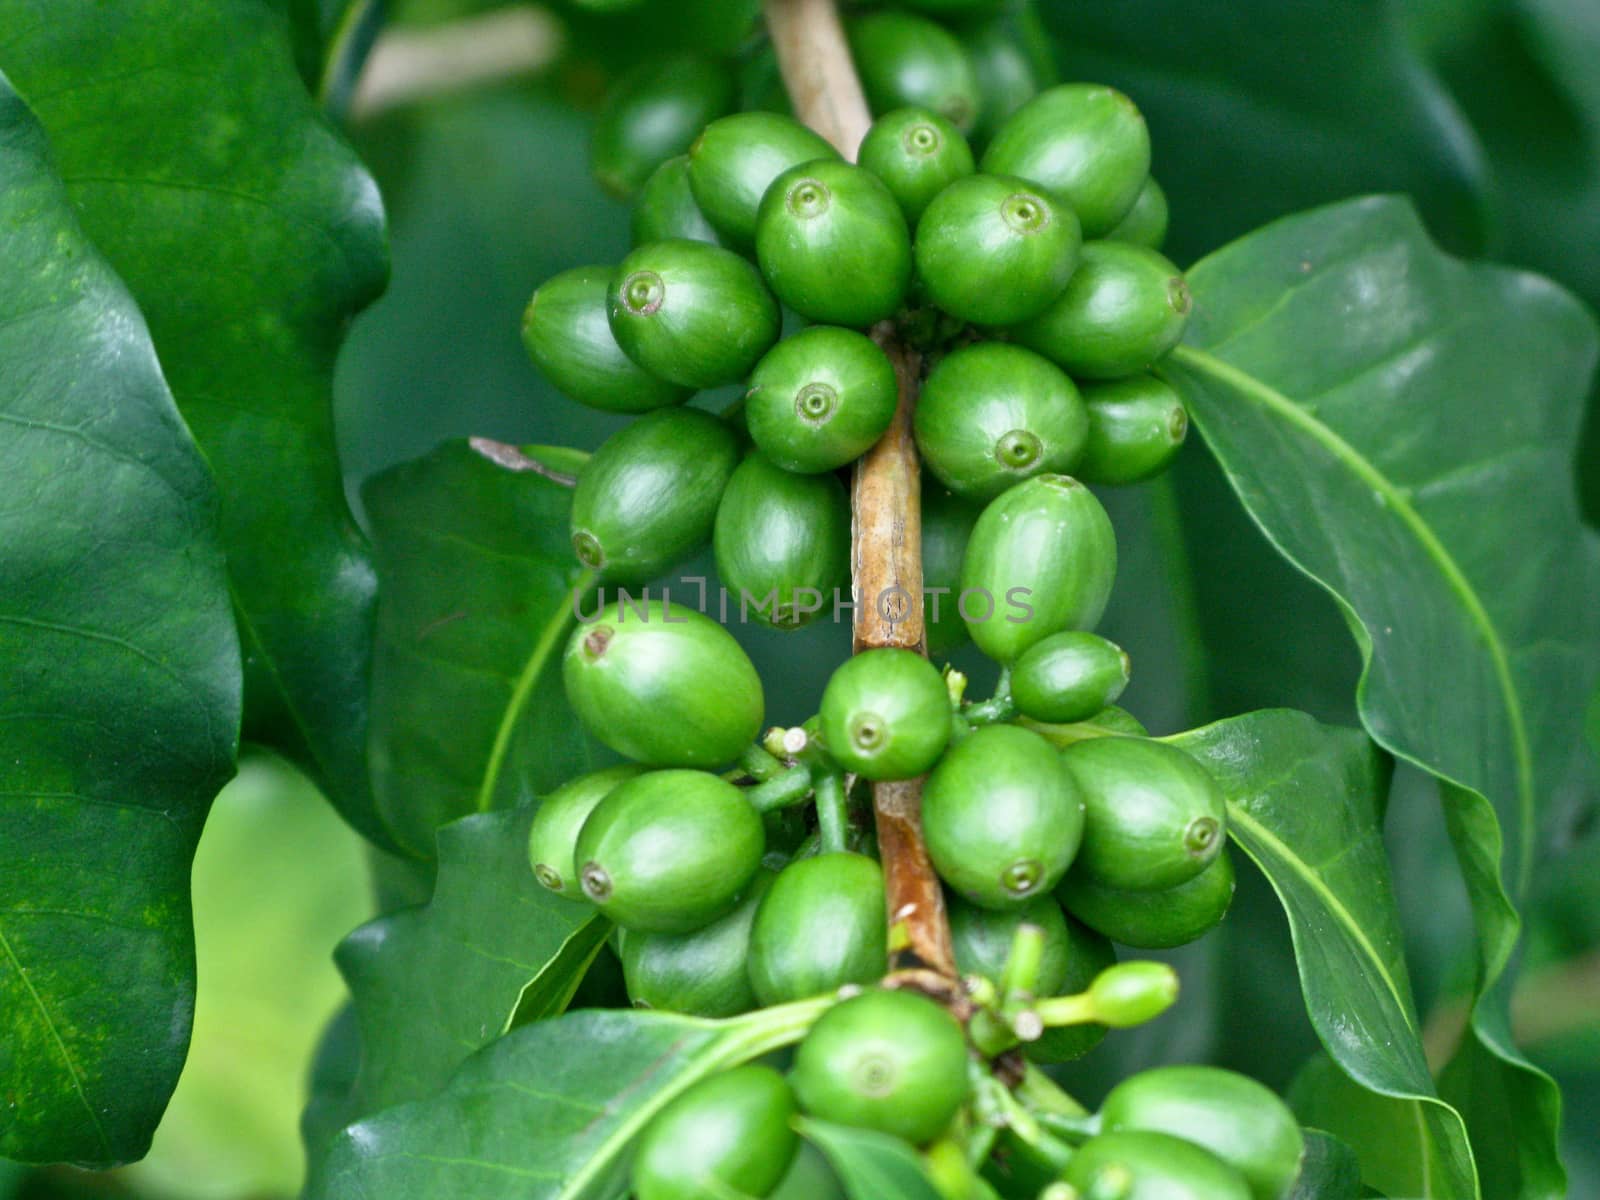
<point>550,1111</point>
<point>1329,1170</point>
<point>468,712</point>
<point>119,713</point>
<point>250,235</point>
<point>1303,803</point>
<point>871,1165</point>
<point>1259,108</point>
<point>1401,425</point>
<point>432,985</point>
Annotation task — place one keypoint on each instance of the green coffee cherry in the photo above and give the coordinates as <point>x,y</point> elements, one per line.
<point>833,245</point>
<point>1134,1165</point>
<point>1085,143</point>
<point>729,1134</point>
<point>692,313</point>
<point>1136,428</point>
<point>663,684</point>
<point>1239,1120</point>
<point>1123,309</point>
<point>820,927</point>
<point>1157,920</point>
<point>1012,60</point>
<point>648,498</point>
<point>1146,222</point>
<point>1045,556</point>
<point>654,112</point>
<point>701,973</point>
<point>886,714</point>
<point>666,208</point>
<point>1001,816</point>
<point>891,1061</point>
<point>947,522</point>
<point>982,937</point>
<point>1132,993</point>
<point>569,339</point>
<point>1155,817</point>
<point>1068,676</point>
<point>992,415</point>
<point>670,851</point>
<point>993,250</point>
<point>917,153</point>
<point>734,161</point>
<point>553,834</point>
<point>782,542</point>
<point>909,61</point>
<point>820,399</point>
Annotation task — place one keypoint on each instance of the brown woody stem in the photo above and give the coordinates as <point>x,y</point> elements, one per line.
<point>886,512</point>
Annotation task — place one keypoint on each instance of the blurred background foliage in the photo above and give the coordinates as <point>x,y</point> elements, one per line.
<point>1486,111</point>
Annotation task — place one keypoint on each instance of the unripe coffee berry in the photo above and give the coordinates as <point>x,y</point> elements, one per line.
<point>917,153</point>
<point>736,158</point>
<point>820,399</point>
<point>992,415</point>
<point>568,336</point>
<point>1123,309</point>
<point>833,244</point>
<point>886,714</point>
<point>1085,143</point>
<point>994,250</point>
<point>692,313</point>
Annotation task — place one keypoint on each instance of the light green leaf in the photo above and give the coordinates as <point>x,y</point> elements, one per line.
<point>1303,803</point>
<point>468,712</point>
<point>119,707</point>
<point>872,1166</point>
<point>550,1111</point>
<point>250,235</point>
<point>1400,425</point>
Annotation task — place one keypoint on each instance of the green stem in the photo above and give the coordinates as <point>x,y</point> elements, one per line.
<point>549,638</point>
<point>1067,1010</point>
<point>1041,1095</point>
<point>781,791</point>
<point>760,765</point>
<point>1020,975</point>
<point>998,707</point>
<point>833,815</point>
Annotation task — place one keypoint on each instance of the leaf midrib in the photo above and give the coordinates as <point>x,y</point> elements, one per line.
<point>1400,504</point>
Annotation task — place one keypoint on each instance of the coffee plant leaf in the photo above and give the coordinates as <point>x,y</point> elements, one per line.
<point>1303,802</point>
<point>1358,388</point>
<point>433,984</point>
<point>1329,1170</point>
<point>870,1165</point>
<point>551,1110</point>
<point>468,711</point>
<point>119,712</point>
<point>1299,80</point>
<point>250,235</point>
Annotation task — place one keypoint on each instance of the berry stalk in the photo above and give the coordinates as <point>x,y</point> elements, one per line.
<point>886,530</point>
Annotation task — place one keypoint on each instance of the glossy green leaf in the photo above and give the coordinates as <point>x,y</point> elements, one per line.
<point>1400,425</point>
<point>119,711</point>
<point>1258,108</point>
<point>468,712</point>
<point>433,984</point>
<point>550,1111</point>
<point>1304,804</point>
<point>250,235</point>
<point>870,1165</point>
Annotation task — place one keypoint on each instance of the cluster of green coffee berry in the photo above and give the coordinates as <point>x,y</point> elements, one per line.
<point>740,868</point>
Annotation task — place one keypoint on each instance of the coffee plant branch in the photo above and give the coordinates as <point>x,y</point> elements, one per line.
<point>886,533</point>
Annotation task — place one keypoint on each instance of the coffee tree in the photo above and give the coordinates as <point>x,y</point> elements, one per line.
<point>895,347</point>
